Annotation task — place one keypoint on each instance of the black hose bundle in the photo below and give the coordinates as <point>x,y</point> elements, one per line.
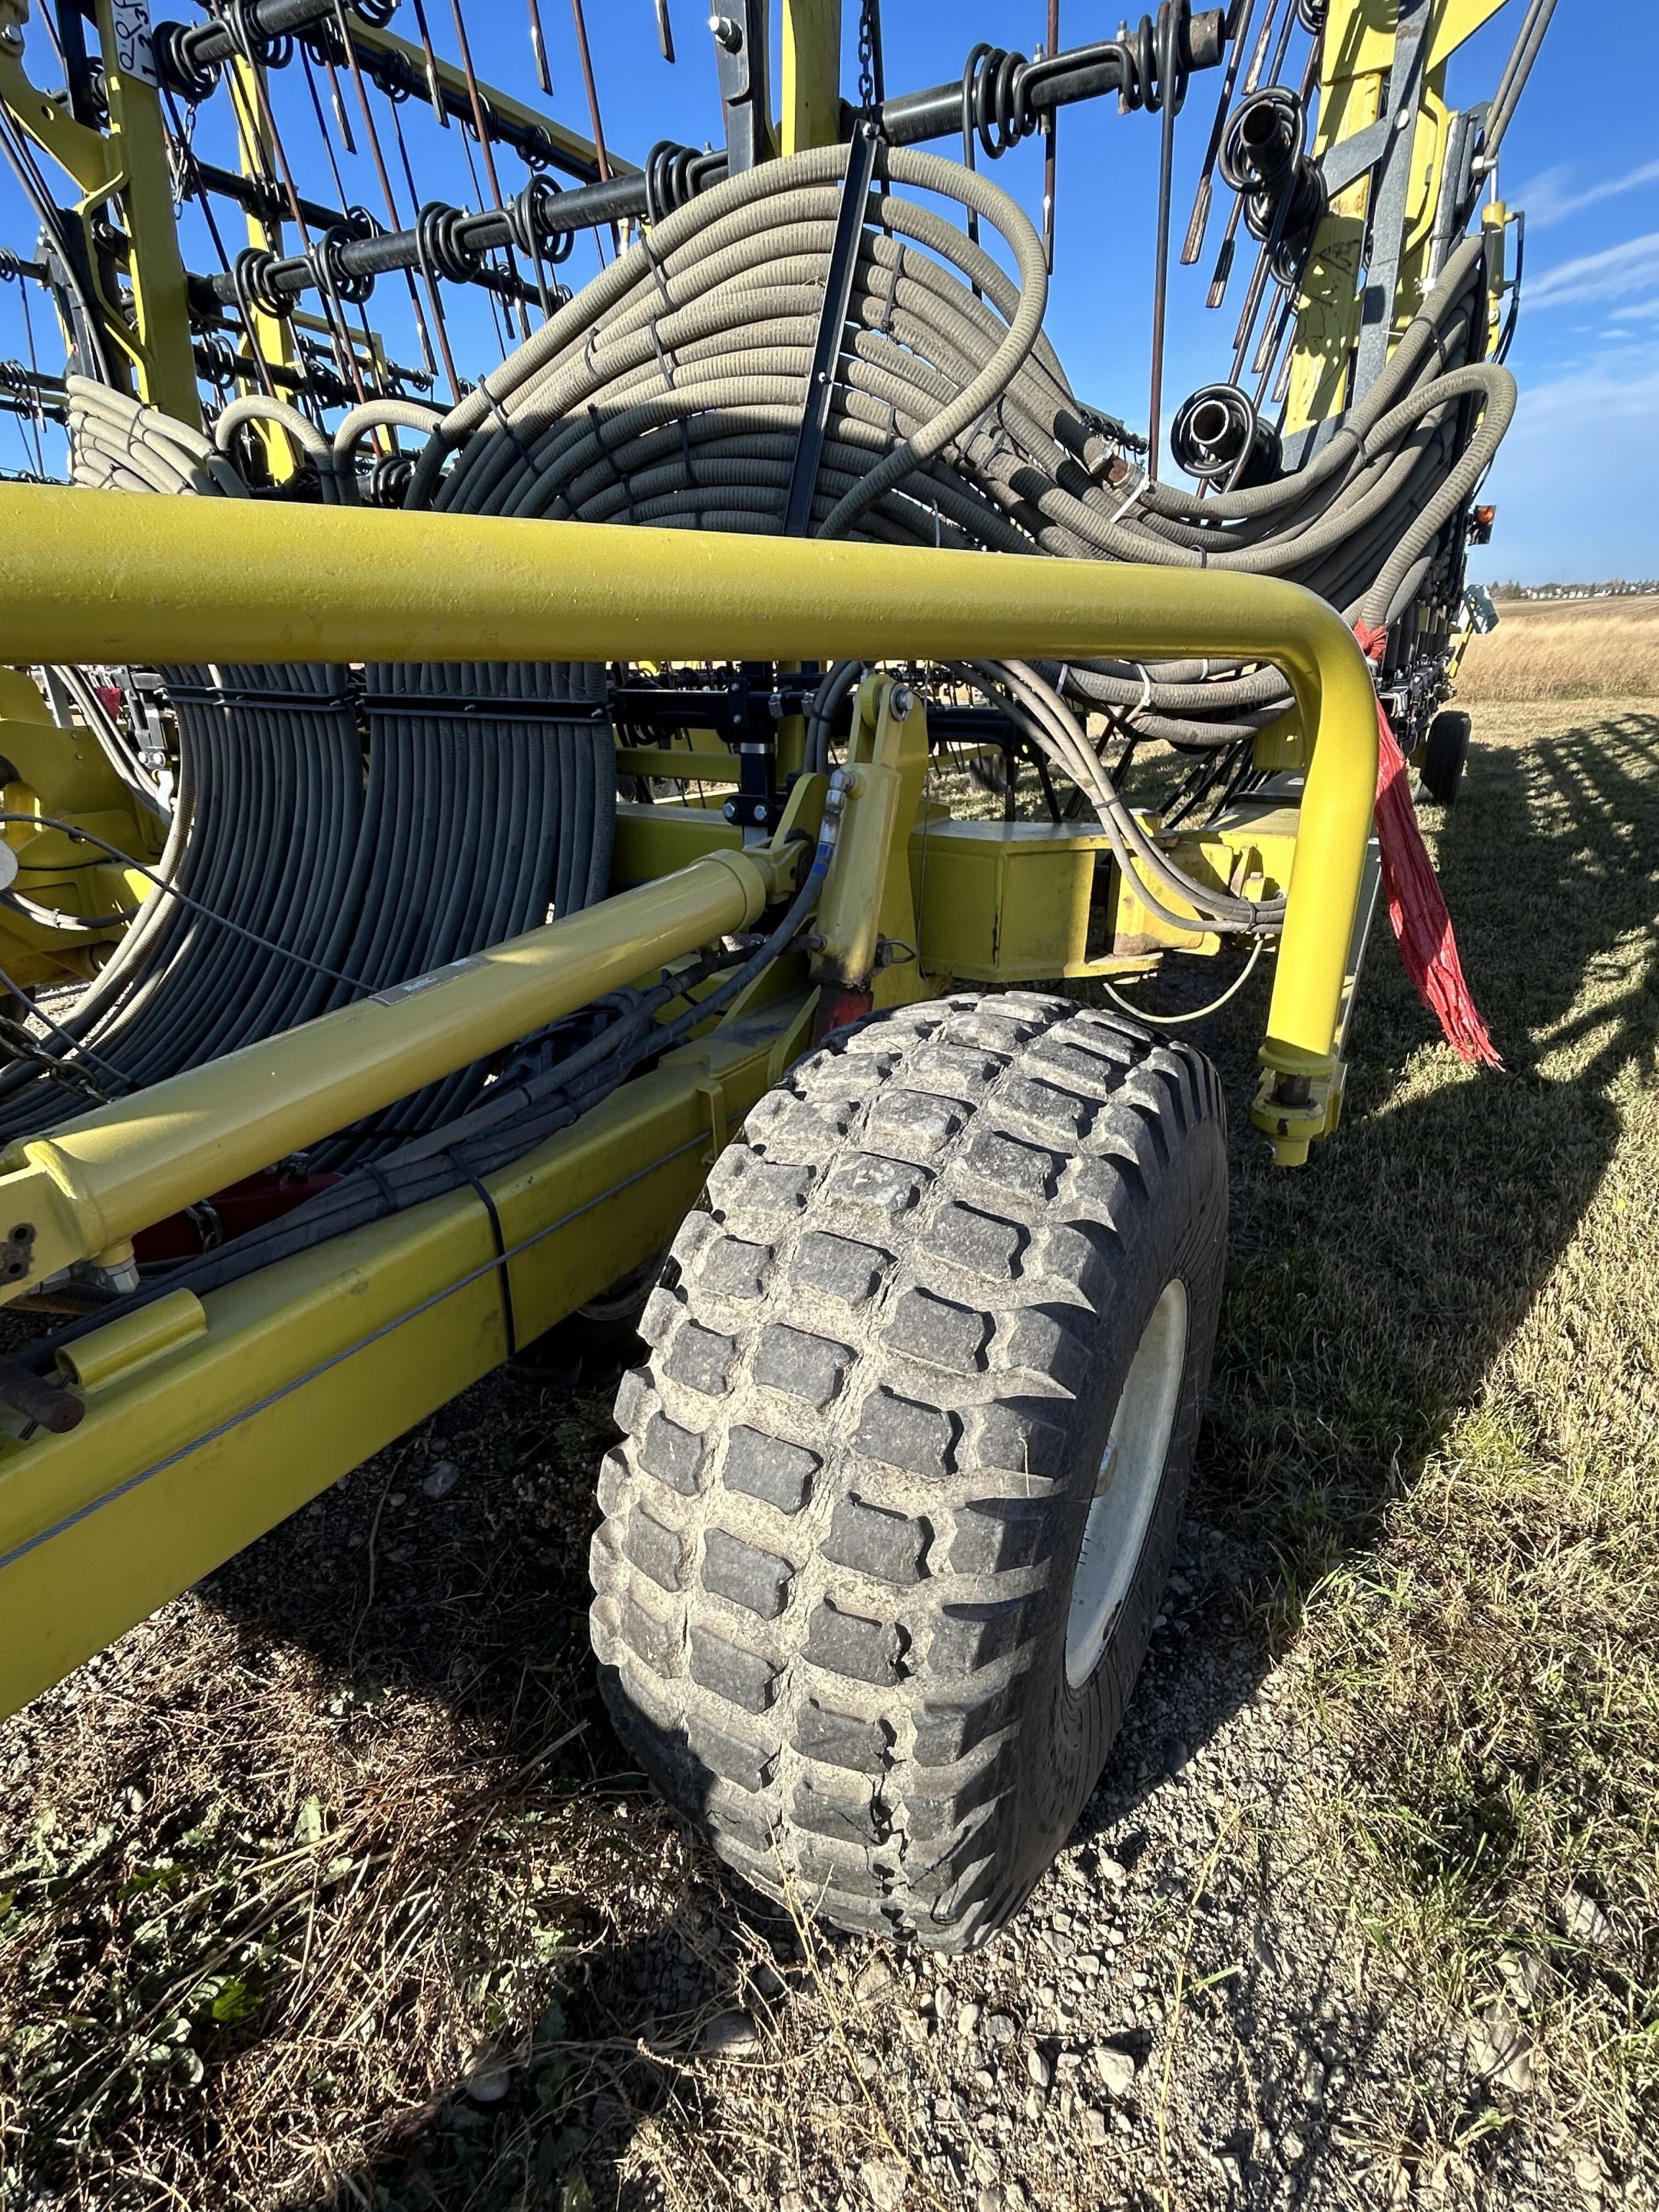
<point>671,391</point>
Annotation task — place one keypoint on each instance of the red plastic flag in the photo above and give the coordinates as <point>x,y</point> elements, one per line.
<point>1417,905</point>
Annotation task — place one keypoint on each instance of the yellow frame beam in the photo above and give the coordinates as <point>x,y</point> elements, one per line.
<point>301,1371</point>
<point>98,1180</point>
<point>308,1367</point>
<point>811,74</point>
<point>125,576</point>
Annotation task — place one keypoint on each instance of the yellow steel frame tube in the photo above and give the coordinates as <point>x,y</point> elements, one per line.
<point>109,1173</point>
<point>123,576</point>
<point>811,74</point>
<point>279,1384</point>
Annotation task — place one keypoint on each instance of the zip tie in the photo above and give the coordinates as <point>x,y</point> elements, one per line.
<point>1129,503</point>
<point>452,1154</point>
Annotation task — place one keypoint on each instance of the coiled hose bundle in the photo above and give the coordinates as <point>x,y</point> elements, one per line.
<point>671,391</point>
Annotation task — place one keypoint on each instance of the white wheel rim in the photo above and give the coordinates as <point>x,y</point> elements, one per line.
<point>1126,1487</point>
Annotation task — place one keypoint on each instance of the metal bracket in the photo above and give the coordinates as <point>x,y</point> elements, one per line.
<point>832,325</point>
<point>1341,165</point>
<point>1387,212</point>
<point>740,56</point>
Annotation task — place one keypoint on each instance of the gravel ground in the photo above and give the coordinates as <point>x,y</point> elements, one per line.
<point>1187,2014</point>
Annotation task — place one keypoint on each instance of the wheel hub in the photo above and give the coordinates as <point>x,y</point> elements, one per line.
<point>1126,1485</point>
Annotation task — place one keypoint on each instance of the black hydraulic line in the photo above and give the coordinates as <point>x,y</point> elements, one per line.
<point>519,1113</point>
<point>832,325</point>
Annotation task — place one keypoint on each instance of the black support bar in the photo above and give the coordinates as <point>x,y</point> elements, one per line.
<point>832,325</point>
<point>1084,73</point>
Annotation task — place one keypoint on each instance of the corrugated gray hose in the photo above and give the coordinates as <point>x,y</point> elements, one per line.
<point>310,876</point>
<point>670,391</point>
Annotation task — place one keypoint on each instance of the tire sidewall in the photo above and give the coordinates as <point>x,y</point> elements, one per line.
<point>1180,1234</point>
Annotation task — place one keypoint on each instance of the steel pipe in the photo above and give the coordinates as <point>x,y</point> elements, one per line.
<point>120,577</point>
<point>98,1180</point>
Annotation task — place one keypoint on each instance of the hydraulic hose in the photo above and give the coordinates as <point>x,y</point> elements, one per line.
<point>384,825</point>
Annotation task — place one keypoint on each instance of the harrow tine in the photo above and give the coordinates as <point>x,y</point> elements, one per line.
<point>1200,215</point>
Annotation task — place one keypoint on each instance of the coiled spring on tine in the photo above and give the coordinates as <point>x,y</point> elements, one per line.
<point>669,183</point>
<point>442,246</point>
<point>334,280</point>
<point>268,49</point>
<point>534,215</point>
<point>251,274</point>
<point>1218,436</point>
<point>177,63</point>
<point>1000,105</point>
<point>216,359</point>
<point>1263,158</point>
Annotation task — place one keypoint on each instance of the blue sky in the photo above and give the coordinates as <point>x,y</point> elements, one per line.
<point>1576,485</point>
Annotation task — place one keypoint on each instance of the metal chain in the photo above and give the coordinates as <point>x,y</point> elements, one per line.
<point>871,90</point>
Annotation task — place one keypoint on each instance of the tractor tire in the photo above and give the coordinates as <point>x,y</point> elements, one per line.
<point>1444,751</point>
<point>901,1481</point>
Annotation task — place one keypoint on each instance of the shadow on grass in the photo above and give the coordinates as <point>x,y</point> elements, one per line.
<point>1368,1297</point>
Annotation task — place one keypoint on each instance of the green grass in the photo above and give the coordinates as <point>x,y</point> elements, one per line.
<point>1439,1403</point>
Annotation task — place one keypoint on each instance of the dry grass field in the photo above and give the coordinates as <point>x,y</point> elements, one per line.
<point>1566,649</point>
<point>328,1886</point>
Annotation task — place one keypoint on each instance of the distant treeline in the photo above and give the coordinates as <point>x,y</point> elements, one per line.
<point>1618,589</point>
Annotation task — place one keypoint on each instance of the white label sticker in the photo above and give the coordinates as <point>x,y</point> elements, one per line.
<point>399,992</point>
<point>134,56</point>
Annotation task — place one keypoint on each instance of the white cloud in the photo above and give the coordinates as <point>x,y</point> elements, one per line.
<point>1614,274</point>
<point>1549,197</point>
